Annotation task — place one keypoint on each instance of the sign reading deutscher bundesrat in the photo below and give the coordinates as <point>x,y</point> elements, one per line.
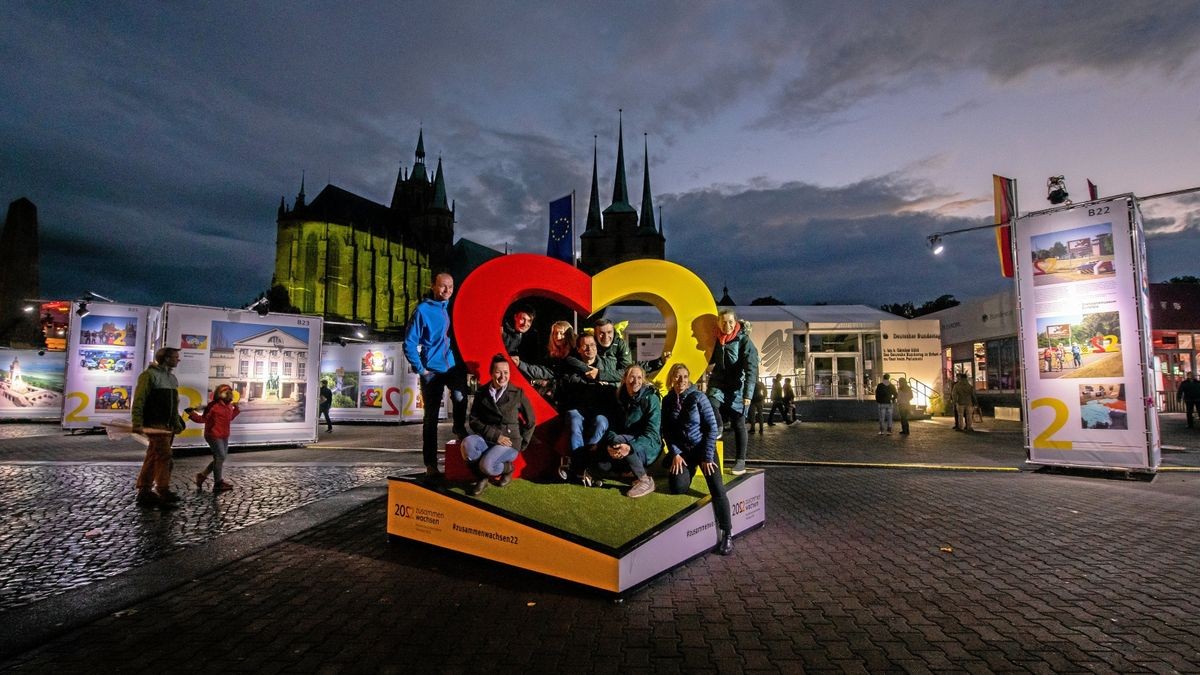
<point>1082,293</point>
<point>911,349</point>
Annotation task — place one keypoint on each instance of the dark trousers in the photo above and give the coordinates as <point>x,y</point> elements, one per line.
<point>603,464</point>
<point>756,415</point>
<point>431,393</point>
<point>1191,410</point>
<point>328,422</point>
<point>905,411</point>
<point>725,411</point>
<point>681,483</point>
<point>779,405</point>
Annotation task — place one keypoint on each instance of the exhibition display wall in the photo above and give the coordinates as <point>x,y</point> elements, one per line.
<point>371,382</point>
<point>31,384</point>
<point>106,350</point>
<point>1082,295</point>
<point>265,359</point>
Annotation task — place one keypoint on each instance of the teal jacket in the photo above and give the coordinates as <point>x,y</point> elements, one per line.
<point>639,416</point>
<point>735,370</point>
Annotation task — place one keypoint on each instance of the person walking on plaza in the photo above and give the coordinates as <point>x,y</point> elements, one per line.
<point>1189,393</point>
<point>733,372</point>
<point>155,412</point>
<point>904,396</point>
<point>963,395</point>
<point>885,395</point>
<point>501,422</point>
<point>326,404</point>
<point>756,407</point>
<point>789,401</point>
<point>776,400</point>
<point>216,417</point>
<point>428,348</point>
<point>689,429</point>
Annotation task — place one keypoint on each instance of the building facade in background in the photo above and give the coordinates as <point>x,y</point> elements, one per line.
<point>348,258</point>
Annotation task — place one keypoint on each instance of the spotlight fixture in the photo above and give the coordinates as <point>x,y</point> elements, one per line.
<point>359,334</point>
<point>261,305</point>
<point>935,243</point>
<point>83,309</point>
<point>29,308</point>
<point>1056,190</point>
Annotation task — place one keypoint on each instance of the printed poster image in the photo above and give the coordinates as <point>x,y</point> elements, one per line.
<point>193,342</point>
<point>344,386</point>
<point>32,384</point>
<point>1078,346</point>
<point>266,367</point>
<point>375,362</point>
<point>372,397</point>
<point>118,331</point>
<point>109,399</point>
<point>1102,406</point>
<point>107,360</point>
<point>1080,254</point>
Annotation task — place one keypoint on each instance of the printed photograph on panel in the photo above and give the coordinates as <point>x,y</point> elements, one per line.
<point>1081,254</point>
<point>267,367</point>
<point>29,381</point>
<point>372,397</point>
<point>344,386</point>
<point>376,362</point>
<point>193,341</point>
<point>1102,406</point>
<point>113,398</point>
<point>118,331</point>
<point>1081,345</point>
<point>106,360</point>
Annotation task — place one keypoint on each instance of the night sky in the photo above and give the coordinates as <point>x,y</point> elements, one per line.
<point>800,150</point>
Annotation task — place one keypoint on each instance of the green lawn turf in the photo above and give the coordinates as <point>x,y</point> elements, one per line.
<point>604,515</point>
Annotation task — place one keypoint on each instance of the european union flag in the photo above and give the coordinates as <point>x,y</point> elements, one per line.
<point>560,244</point>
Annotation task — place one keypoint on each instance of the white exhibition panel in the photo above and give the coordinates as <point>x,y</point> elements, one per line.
<point>1084,325</point>
<point>912,348</point>
<point>106,351</point>
<point>268,360</point>
<point>31,384</point>
<point>372,382</point>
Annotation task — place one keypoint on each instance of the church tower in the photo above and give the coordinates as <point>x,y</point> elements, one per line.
<point>616,236</point>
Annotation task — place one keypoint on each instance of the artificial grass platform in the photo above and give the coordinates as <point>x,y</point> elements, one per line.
<point>603,515</point>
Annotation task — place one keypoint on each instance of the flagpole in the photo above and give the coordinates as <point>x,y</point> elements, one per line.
<point>574,262</point>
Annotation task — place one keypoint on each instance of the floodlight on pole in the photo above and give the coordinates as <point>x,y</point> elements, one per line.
<point>935,243</point>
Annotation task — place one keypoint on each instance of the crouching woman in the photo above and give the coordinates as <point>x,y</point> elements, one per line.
<point>501,423</point>
<point>690,429</point>
<point>633,440</point>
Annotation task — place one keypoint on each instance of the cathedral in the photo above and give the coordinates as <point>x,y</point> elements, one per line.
<point>619,235</point>
<point>349,258</point>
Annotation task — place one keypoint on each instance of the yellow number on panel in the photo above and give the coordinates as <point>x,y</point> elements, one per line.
<point>74,415</point>
<point>410,398</point>
<point>194,400</point>
<point>1060,420</point>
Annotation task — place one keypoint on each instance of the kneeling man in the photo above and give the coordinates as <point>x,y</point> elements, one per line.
<point>501,423</point>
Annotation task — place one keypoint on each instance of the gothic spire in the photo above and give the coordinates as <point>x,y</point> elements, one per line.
<point>418,170</point>
<point>647,219</point>
<point>594,225</point>
<point>300,197</point>
<point>439,188</point>
<point>620,190</point>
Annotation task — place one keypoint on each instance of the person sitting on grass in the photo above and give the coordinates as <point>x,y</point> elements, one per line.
<point>633,440</point>
<point>501,423</point>
<point>689,429</point>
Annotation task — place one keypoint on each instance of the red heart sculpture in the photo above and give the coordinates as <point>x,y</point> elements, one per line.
<point>488,292</point>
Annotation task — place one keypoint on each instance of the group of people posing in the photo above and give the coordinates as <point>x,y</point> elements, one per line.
<point>618,423</point>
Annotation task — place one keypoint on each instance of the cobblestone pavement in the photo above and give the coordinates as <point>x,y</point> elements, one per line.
<point>856,570</point>
<point>69,525</point>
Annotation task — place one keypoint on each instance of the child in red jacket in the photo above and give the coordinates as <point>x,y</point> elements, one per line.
<point>216,418</point>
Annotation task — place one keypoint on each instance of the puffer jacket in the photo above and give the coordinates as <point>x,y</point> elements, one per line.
<point>692,428</point>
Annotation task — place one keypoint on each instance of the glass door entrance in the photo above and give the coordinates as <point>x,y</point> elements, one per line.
<point>835,375</point>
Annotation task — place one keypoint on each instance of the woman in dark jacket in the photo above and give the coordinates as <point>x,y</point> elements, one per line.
<point>689,429</point>
<point>633,440</point>
<point>733,372</point>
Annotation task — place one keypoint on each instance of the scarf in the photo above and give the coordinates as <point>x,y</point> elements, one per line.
<point>726,339</point>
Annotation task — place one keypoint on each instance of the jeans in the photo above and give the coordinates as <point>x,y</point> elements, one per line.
<point>681,483</point>
<point>605,464</point>
<point>328,422</point>
<point>585,430</point>
<point>432,387</point>
<point>220,450</point>
<point>156,467</point>
<point>724,410</point>
<point>885,416</point>
<point>491,458</point>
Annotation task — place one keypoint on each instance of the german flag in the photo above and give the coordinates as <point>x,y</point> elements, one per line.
<point>1004,192</point>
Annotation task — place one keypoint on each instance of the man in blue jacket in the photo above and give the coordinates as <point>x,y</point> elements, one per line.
<point>427,346</point>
